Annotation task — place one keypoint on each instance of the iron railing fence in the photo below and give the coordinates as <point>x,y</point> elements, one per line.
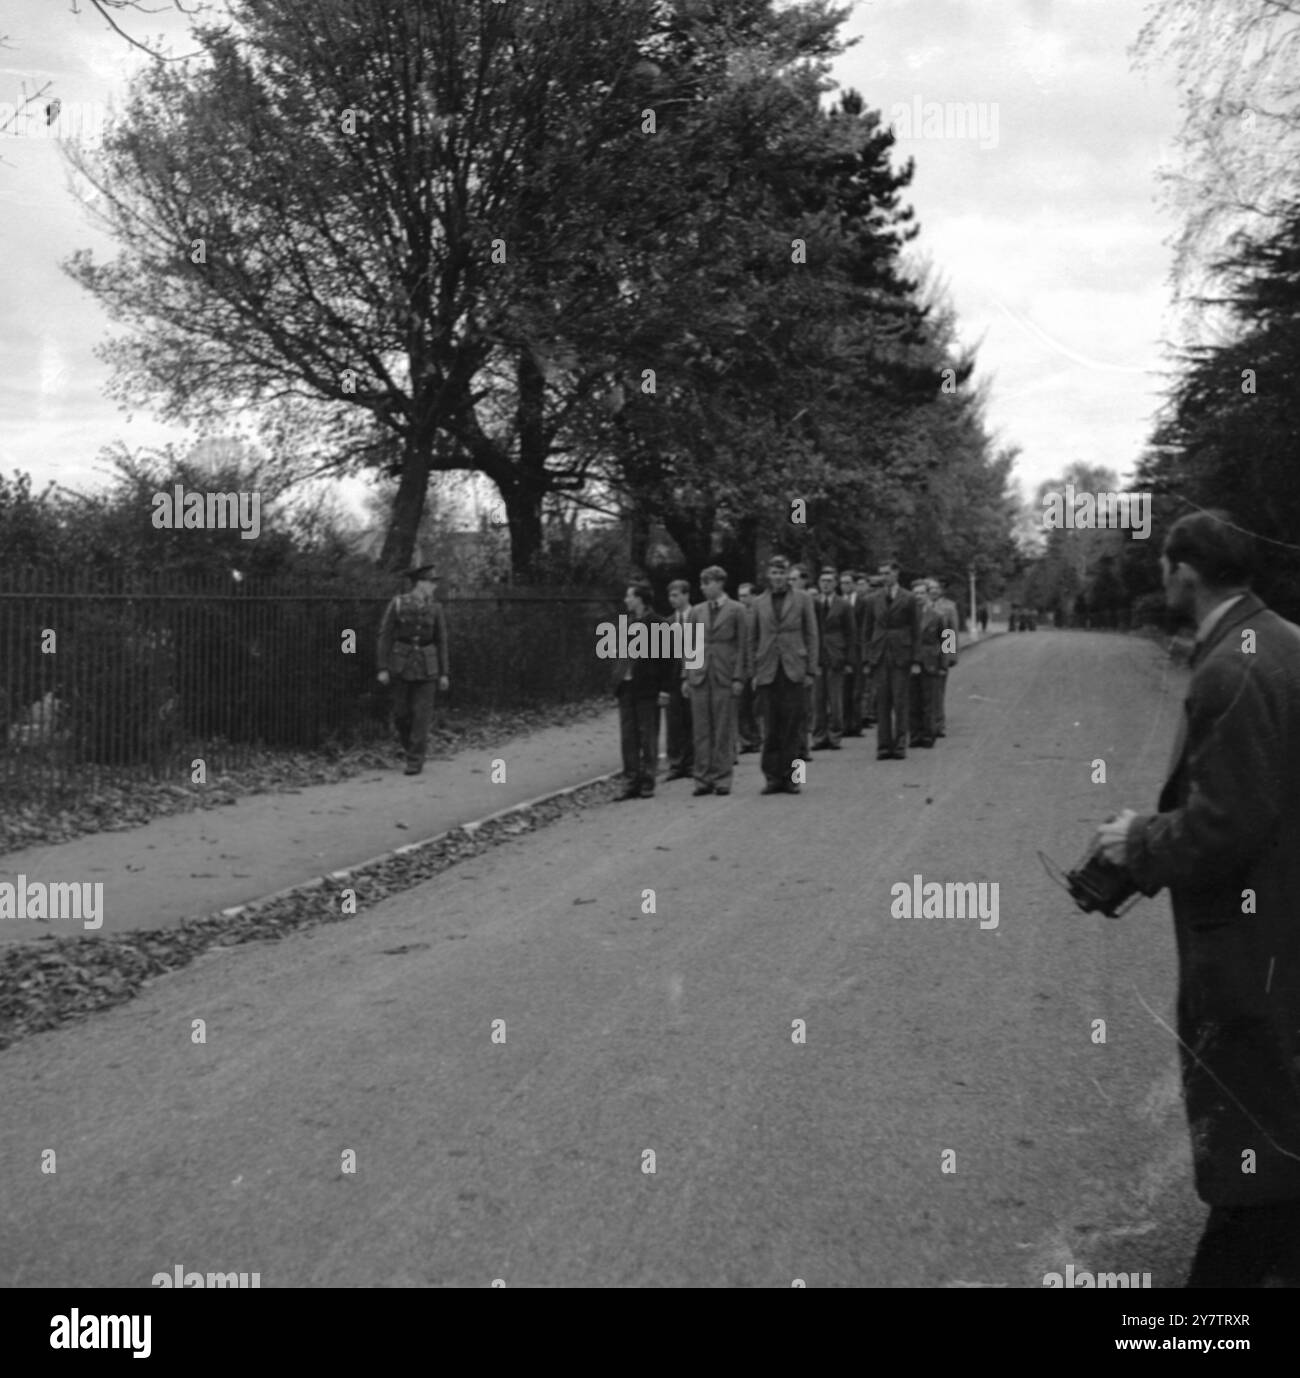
<point>118,675</point>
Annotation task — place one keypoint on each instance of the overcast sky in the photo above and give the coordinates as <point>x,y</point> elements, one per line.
<point>1042,217</point>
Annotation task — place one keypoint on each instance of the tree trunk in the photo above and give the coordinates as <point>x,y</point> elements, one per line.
<point>408,507</point>
<point>693,532</point>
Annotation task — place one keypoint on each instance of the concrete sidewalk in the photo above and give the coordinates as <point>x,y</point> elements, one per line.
<point>191,864</point>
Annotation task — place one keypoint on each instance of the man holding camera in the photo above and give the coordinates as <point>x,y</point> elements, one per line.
<point>1226,842</point>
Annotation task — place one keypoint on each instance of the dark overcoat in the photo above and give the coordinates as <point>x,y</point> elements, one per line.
<point>1226,843</point>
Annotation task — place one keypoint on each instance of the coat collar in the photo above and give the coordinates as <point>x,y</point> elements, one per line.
<point>1249,606</point>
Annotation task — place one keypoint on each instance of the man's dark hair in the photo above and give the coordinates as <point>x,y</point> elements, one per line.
<point>891,564</point>
<point>679,586</point>
<point>1214,546</point>
<point>831,570</point>
<point>645,593</point>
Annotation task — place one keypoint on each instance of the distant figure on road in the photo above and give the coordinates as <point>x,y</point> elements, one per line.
<point>680,744</point>
<point>1226,842</point>
<point>641,686</point>
<point>413,657</point>
<point>783,652</point>
<point>983,618</point>
<point>714,690</point>
<point>799,581</point>
<point>892,631</point>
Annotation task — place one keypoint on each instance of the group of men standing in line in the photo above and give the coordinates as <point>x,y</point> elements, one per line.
<point>787,671</point>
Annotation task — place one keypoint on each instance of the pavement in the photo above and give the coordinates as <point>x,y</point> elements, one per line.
<point>192,864</point>
<point>675,1042</point>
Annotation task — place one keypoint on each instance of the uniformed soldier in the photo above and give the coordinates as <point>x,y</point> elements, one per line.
<point>413,657</point>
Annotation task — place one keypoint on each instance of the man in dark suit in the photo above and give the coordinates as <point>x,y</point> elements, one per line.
<point>891,630</point>
<point>714,688</point>
<point>782,656</point>
<point>799,581</point>
<point>867,588</point>
<point>751,730</point>
<point>835,636</point>
<point>680,738</point>
<point>413,658</point>
<point>852,699</point>
<point>1226,842</point>
<point>641,685</point>
<point>924,693</point>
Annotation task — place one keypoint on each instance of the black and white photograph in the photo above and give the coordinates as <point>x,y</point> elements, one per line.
<point>650,644</point>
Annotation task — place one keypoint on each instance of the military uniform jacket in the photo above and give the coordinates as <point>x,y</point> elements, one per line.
<point>413,638</point>
<point>1227,844</point>
<point>891,632</point>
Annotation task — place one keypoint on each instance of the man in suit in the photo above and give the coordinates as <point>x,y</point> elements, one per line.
<point>799,583</point>
<point>835,637</point>
<point>1226,843</point>
<point>751,731</point>
<point>891,630</point>
<point>714,689</point>
<point>413,658</point>
<point>641,686</point>
<point>867,588</point>
<point>924,692</point>
<point>951,619</point>
<point>782,656</point>
<point>852,699</point>
<point>681,748</point>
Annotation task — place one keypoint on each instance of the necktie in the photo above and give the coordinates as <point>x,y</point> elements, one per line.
<point>713,608</point>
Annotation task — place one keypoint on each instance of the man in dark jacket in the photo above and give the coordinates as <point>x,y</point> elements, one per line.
<point>837,640</point>
<point>641,686</point>
<point>413,657</point>
<point>891,633</point>
<point>1226,842</point>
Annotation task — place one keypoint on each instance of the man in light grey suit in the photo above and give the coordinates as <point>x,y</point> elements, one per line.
<point>714,689</point>
<point>783,657</point>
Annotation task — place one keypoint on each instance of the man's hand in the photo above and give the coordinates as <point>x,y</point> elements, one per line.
<point>737,688</point>
<point>383,676</point>
<point>1112,837</point>
<point>443,682</point>
<point>686,689</point>
<point>663,699</point>
<point>916,667</point>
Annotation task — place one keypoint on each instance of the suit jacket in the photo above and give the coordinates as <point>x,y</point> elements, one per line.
<point>413,638</point>
<point>931,645</point>
<point>790,642</point>
<point>726,646</point>
<point>947,609</point>
<point>835,631</point>
<point>892,631</point>
<point>1229,822</point>
<point>678,664</point>
<point>651,675</point>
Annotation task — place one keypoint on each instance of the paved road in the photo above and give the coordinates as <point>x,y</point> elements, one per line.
<point>669,1032</point>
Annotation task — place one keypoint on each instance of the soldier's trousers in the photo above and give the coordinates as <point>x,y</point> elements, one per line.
<point>638,724</point>
<point>781,705</point>
<point>680,744</point>
<point>751,730</point>
<point>940,719</point>
<point>852,699</point>
<point>413,714</point>
<point>892,705</point>
<point>828,697</point>
<point>713,715</point>
<point>924,698</point>
<point>867,695</point>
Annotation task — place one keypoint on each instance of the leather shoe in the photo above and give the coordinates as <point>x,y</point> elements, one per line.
<point>884,755</point>
<point>722,791</point>
<point>791,788</point>
<point>772,787</point>
<point>701,789</point>
<point>900,755</point>
<point>632,793</point>
<point>412,769</point>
